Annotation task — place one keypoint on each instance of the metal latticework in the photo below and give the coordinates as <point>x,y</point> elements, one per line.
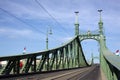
<point>69,55</point>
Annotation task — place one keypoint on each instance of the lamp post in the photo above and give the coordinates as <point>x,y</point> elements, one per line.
<point>49,32</point>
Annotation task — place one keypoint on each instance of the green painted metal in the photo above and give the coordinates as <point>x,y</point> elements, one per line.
<point>68,55</point>
<point>49,32</point>
<point>89,36</point>
<point>109,62</point>
<point>76,24</point>
<point>100,23</point>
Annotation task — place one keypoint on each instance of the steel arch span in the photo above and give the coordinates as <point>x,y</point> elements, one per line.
<point>69,55</point>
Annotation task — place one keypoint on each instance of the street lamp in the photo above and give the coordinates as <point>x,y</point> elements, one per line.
<point>49,32</point>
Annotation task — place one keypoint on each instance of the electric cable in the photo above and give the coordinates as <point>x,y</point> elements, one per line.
<point>25,22</point>
<point>40,5</point>
<point>21,21</point>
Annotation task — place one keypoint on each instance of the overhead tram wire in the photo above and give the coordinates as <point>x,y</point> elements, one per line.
<point>25,22</point>
<point>22,21</point>
<point>51,15</point>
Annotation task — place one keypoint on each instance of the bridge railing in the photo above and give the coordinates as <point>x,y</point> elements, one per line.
<point>69,55</point>
<point>110,63</point>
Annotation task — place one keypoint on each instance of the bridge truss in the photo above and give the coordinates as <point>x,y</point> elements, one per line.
<point>67,56</point>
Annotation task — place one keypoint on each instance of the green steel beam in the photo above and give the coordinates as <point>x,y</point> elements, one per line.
<point>109,61</point>
<point>76,24</point>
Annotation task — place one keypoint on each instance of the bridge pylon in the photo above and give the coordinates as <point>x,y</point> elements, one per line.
<point>89,34</point>
<point>100,23</point>
<point>76,24</point>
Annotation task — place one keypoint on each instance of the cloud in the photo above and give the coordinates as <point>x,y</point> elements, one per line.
<point>33,10</point>
<point>15,33</point>
<point>63,11</point>
<point>26,9</point>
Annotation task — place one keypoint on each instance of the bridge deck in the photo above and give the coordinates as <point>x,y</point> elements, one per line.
<point>88,73</point>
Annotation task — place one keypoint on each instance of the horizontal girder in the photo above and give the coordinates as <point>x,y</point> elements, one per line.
<point>89,36</point>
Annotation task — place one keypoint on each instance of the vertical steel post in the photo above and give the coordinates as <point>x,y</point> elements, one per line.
<point>47,40</point>
<point>76,24</point>
<point>100,23</point>
<point>34,61</point>
<point>48,32</point>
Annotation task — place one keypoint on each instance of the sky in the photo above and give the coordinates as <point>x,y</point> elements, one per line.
<point>24,23</point>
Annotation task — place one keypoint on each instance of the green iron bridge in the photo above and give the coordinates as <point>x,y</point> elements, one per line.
<point>69,55</point>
